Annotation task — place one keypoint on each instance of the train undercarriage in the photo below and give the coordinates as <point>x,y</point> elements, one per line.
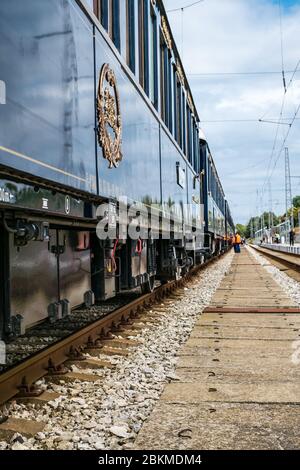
<point>53,261</point>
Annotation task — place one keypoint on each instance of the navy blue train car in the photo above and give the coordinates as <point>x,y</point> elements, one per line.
<point>219,225</point>
<point>95,106</point>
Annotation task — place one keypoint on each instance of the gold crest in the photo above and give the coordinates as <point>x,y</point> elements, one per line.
<point>109,117</point>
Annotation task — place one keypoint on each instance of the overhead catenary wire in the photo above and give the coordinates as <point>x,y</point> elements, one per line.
<point>282,146</point>
<point>278,125</point>
<point>285,139</point>
<point>281,46</point>
<point>185,7</point>
<point>258,72</point>
<point>270,169</point>
<point>286,88</point>
<point>216,121</point>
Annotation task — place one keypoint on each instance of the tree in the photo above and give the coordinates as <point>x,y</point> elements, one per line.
<point>296,202</point>
<point>241,229</point>
<point>295,211</point>
<point>255,223</point>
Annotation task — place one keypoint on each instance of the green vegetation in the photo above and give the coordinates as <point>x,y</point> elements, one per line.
<point>254,222</point>
<point>241,229</point>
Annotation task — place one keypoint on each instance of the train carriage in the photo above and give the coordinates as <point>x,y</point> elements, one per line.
<point>95,108</point>
<point>219,226</point>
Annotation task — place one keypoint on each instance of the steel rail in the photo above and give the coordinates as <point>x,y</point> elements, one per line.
<point>276,257</point>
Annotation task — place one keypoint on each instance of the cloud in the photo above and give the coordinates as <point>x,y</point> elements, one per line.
<point>242,36</point>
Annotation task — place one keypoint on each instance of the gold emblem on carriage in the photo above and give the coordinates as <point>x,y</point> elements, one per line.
<point>109,117</point>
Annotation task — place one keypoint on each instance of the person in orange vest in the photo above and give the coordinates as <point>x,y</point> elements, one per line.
<point>237,243</point>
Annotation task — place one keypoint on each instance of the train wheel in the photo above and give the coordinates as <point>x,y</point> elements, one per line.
<point>148,286</point>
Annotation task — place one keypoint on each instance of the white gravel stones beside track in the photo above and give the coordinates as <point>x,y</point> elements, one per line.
<point>109,412</point>
<point>289,285</point>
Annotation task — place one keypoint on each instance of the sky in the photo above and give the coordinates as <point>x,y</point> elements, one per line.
<point>220,42</point>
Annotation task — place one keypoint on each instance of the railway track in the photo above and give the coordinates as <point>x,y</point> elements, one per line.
<point>19,381</point>
<point>237,376</point>
<point>289,263</point>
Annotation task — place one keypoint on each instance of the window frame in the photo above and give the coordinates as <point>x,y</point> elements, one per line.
<point>102,13</point>
<point>130,35</point>
<point>114,23</point>
<point>143,28</point>
<point>153,64</point>
<point>183,110</point>
<point>166,97</point>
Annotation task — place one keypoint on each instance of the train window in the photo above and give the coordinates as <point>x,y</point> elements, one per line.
<point>175,109</point>
<point>178,112</point>
<point>189,135</point>
<point>153,58</point>
<point>166,86</point>
<point>102,12</point>
<point>194,146</point>
<point>209,178</point>
<point>141,42</point>
<point>198,153</point>
<point>170,100</point>
<point>143,45</point>
<point>183,100</point>
<point>163,52</point>
<point>196,149</point>
<point>115,23</point>
<point>131,34</point>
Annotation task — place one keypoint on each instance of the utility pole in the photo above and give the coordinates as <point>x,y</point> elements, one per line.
<point>288,187</point>
<point>262,222</point>
<point>257,212</point>
<point>271,220</point>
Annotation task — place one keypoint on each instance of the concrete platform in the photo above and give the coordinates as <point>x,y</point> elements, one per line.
<point>217,426</point>
<point>237,383</point>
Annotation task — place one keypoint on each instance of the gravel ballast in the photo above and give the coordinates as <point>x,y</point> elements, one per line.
<point>289,285</point>
<point>109,412</point>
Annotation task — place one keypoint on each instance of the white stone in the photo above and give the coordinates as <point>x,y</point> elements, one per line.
<point>90,425</point>
<point>18,446</point>
<point>99,445</point>
<point>119,431</point>
<point>66,436</point>
<point>79,401</point>
<point>65,445</point>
